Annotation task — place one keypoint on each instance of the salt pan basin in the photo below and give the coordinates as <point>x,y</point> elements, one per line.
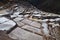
<point>6,24</point>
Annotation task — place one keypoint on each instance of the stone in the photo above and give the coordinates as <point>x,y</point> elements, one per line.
<point>45,29</point>
<point>13,16</point>
<point>18,19</point>
<point>55,25</point>
<point>26,15</point>
<point>21,16</point>
<point>30,28</point>
<point>35,12</point>
<point>26,21</point>
<point>57,19</point>
<point>51,20</point>
<point>28,12</point>
<point>38,16</point>
<point>36,24</point>
<point>24,35</point>
<point>16,13</point>
<point>45,20</point>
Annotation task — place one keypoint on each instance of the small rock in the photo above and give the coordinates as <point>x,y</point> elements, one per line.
<point>16,13</point>
<point>28,12</point>
<point>13,16</point>
<point>35,12</point>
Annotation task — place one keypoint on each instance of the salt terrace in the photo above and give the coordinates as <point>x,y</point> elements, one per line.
<point>26,22</point>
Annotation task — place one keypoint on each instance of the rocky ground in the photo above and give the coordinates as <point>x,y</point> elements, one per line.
<point>25,22</point>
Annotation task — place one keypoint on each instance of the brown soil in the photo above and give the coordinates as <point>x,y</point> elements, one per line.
<point>4,36</point>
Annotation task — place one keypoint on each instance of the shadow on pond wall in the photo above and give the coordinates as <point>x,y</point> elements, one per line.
<point>44,5</point>
<point>47,5</point>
